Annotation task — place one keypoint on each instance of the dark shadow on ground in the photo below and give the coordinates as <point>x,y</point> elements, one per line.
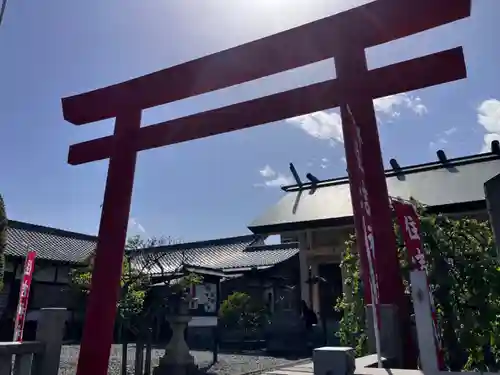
<point>258,352</point>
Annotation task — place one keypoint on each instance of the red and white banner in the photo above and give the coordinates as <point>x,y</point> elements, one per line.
<point>358,175</point>
<point>409,223</point>
<point>24,292</point>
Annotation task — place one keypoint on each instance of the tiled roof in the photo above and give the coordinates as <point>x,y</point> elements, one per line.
<point>228,254</point>
<point>443,186</point>
<point>264,255</point>
<point>49,243</point>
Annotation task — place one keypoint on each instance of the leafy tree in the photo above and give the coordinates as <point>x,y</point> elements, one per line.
<point>135,309</point>
<point>464,276</point>
<point>240,311</point>
<point>3,239</point>
<point>352,325</point>
<point>134,280</point>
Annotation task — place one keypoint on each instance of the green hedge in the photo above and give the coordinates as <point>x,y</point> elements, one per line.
<point>464,274</point>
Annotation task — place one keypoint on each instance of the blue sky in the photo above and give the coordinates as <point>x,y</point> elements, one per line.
<point>212,187</point>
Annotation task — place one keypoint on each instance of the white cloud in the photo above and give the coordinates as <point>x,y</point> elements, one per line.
<point>134,224</point>
<point>324,163</point>
<point>267,171</point>
<point>273,178</point>
<point>280,180</point>
<point>388,104</point>
<point>343,158</point>
<point>488,116</point>
<point>436,145</point>
<point>488,138</point>
<point>442,139</point>
<point>450,131</point>
<point>325,125</point>
<point>393,104</point>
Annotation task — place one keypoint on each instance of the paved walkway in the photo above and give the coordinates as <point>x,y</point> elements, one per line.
<point>300,369</point>
<point>228,364</point>
<point>307,368</point>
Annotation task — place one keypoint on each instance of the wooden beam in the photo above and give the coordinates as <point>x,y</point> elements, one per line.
<point>366,26</point>
<point>418,73</point>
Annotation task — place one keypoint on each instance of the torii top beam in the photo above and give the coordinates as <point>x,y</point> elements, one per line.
<point>365,26</point>
<point>317,97</point>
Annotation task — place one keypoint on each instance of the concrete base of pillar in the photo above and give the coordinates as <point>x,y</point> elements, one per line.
<point>177,359</point>
<point>332,360</point>
<point>390,336</point>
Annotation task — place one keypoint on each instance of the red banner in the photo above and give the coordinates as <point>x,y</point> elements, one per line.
<point>409,223</point>
<point>366,237</point>
<point>24,292</point>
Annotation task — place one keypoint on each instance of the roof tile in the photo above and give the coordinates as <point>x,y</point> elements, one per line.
<point>49,243</point>
<point>224,254</point>
<point>457,182</point>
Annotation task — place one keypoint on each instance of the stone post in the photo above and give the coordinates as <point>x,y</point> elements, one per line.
<point>422,306</point>
<point>492,194</point>
<point>50,331</point>
<point>316,306</point>
<point>139,357</point>
<point>334,361</point>
<point>390,333</point>
<point>304,268</point>
<point>177,359</point>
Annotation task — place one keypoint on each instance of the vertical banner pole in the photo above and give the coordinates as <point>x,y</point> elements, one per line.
<point>429,341</point>
<point>367,232</point>
<point>24,291</point>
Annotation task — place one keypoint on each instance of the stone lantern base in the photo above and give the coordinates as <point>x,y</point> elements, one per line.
<point>177,359</point>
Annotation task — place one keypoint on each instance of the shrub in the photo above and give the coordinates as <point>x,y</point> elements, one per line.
<point>464,276</point>
<point>240,311</point>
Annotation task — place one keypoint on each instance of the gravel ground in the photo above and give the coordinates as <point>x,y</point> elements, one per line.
<point>228,364</point>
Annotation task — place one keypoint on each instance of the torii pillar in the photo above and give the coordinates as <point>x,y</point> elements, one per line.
<point>344,37</point>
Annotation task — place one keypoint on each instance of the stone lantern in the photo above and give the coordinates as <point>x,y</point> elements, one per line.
<point>177,359</point>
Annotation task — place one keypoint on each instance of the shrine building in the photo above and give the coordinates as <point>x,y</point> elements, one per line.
<point>318,215</point>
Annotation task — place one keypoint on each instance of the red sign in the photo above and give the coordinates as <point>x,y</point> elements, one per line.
<point>24,292</point>
<point>410,227</point>
<point>365,214</point>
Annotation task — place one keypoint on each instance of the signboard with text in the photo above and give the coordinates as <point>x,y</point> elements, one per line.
<point>431,356</point>
<point>358,180</point>
<point>24,291</point>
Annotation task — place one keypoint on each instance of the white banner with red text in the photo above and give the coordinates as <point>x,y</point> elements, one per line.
<point>431,354</point>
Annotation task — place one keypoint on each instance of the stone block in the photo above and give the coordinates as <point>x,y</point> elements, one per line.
<point>390,336</point>
<point>50,331</point>
<point>177,359</point>
<point>332,360</point>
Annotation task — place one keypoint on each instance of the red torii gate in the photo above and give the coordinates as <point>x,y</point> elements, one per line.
<point>343,36</point>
